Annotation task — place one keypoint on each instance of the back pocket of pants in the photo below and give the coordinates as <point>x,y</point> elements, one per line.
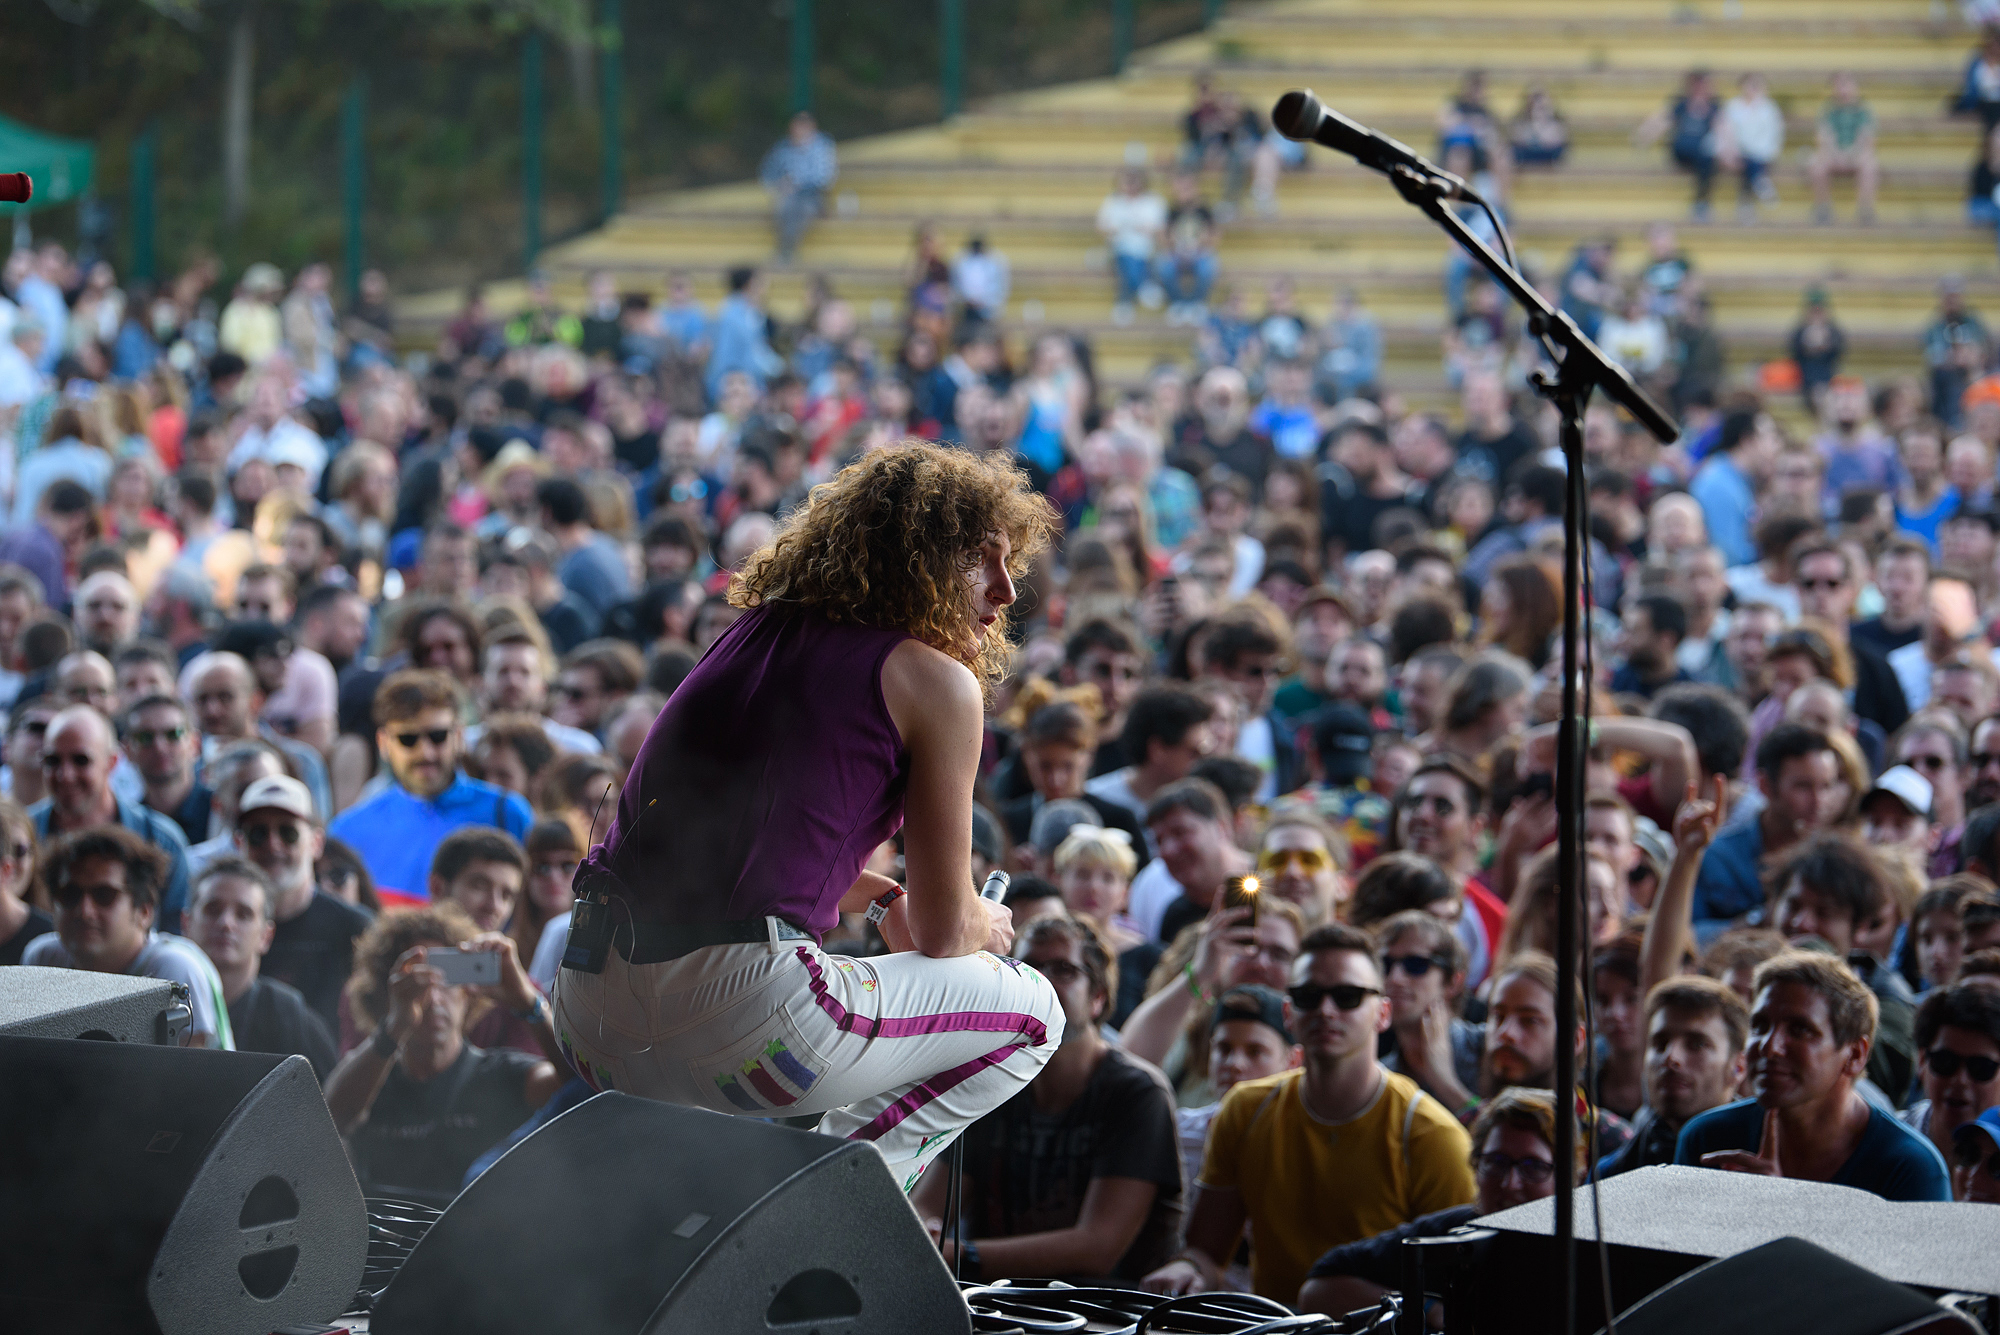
<point>762,1073</point>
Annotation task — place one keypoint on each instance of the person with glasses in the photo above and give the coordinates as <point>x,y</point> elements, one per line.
<point>313,933</point>
<point>542,925</point>
<point>1513,1159</point>
<point>1078,1175</point>
<point>1812,1023</point>
<point>596,677</point>
<point>1423,978</point>
<point>1896,813</point>
<point>1694,1031</point>
<point>1933,744</point>
<point>1328,1154</point>
<point>1243,651</point>
<point>1303,862</point>
<point>107,884</point>
<point>397,831</point>
<point>22,919</point>
<point>228,701</point>
<point>1107,655</point>
<point>1823,572</point>
<point>162,745</point>
<point>229,917</point>
<point>77,755</point>
<point>1982,765</point>
<point>1958,1042</point>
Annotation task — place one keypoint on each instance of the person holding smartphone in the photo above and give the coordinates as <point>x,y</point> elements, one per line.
<point>416,1101</point>
<point>846,702</point>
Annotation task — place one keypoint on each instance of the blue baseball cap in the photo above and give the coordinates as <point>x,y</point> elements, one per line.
<point>1988,1121</point>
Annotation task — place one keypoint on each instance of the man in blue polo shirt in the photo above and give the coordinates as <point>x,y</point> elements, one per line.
<point>1811,1025</point>
<point>1799,775</point>
<point>398,829</point>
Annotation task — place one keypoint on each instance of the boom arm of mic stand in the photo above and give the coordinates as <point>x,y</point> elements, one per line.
<point>1593,367</point>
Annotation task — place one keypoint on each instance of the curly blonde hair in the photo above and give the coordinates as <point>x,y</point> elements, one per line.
<point>889,542</point>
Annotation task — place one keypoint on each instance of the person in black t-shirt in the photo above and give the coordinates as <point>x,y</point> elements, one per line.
<point>1360,483</point>
<point>1080,1173</point>
<point>1493,440</point>
<point>229,917</point>
<point>312,947</point>
<point>20,921</point>
<point>417,1103</point>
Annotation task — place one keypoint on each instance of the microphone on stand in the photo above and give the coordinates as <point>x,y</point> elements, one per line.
<point>1300,115</point>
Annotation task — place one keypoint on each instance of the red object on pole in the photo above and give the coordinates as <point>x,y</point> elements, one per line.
<point>16,188</point>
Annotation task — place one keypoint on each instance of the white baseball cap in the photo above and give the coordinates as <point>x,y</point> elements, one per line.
<point>1907,786</point>
<point>281,792</point>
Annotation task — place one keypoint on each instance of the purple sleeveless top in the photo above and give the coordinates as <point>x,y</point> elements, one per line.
<point>767,781</point>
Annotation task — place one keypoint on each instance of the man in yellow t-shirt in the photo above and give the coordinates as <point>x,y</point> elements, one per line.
<point>1328,1154</point>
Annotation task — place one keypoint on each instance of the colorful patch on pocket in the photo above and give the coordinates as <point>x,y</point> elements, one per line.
<point>776,1076</point>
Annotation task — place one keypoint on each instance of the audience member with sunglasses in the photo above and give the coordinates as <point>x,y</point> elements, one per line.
<point>78,753</point>
<point>312,943</point>
<point>1423,980</point>
<point>106,883</point>
<point>163,746</point>
<point>1958,1046</point>
<point>23,916</point>
<point>397,829</point>
<point>1328,1154</point>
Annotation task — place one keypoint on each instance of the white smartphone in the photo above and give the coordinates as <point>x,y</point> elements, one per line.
<point>464,968</point>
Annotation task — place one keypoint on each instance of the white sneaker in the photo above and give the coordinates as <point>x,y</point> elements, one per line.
<point>1121,313</point>
<point>1152,296</point>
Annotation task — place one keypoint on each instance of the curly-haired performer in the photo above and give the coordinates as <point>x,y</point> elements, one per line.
<point>847,702</point>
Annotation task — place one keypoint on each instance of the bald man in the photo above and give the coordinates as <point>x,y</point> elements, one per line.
<point>107,612</point>
<point>86,678</point>
<point>78,752</point>
<point>227,702</point>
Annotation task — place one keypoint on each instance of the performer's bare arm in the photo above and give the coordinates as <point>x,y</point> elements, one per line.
<point>935,703</point>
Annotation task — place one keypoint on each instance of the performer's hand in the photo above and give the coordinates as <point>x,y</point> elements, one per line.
<point>1176,1278</point>
<point>999,928</point>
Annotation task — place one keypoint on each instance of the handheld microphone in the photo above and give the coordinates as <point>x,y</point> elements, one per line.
<point>16,188</point>
<point>995,888</point>
<point>1300,115</point>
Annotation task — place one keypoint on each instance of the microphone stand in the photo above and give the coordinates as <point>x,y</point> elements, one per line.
<point>1582,369</point>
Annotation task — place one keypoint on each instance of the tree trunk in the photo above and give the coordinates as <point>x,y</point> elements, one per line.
<point>236,117</point>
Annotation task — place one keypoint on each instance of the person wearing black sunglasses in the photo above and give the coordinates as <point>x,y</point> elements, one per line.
<point>398,830</point>
<point>1958,1039</point>
<point>1423,978</point>
<point>106,883</point>
<point>1327,1154</point>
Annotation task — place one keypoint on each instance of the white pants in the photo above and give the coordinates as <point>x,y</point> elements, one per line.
<point>902,1050</point>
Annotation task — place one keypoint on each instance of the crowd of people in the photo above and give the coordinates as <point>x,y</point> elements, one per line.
<point>319,658</point>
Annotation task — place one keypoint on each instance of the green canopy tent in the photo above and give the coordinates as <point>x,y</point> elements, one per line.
<point>60,168</point>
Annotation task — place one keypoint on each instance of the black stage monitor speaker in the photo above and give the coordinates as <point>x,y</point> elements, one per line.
<point>75,1003</point>
<point>1660,1223</point>
<point>170,1191</point>
<point>1788,1284</point>
<point>625,1216</point>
